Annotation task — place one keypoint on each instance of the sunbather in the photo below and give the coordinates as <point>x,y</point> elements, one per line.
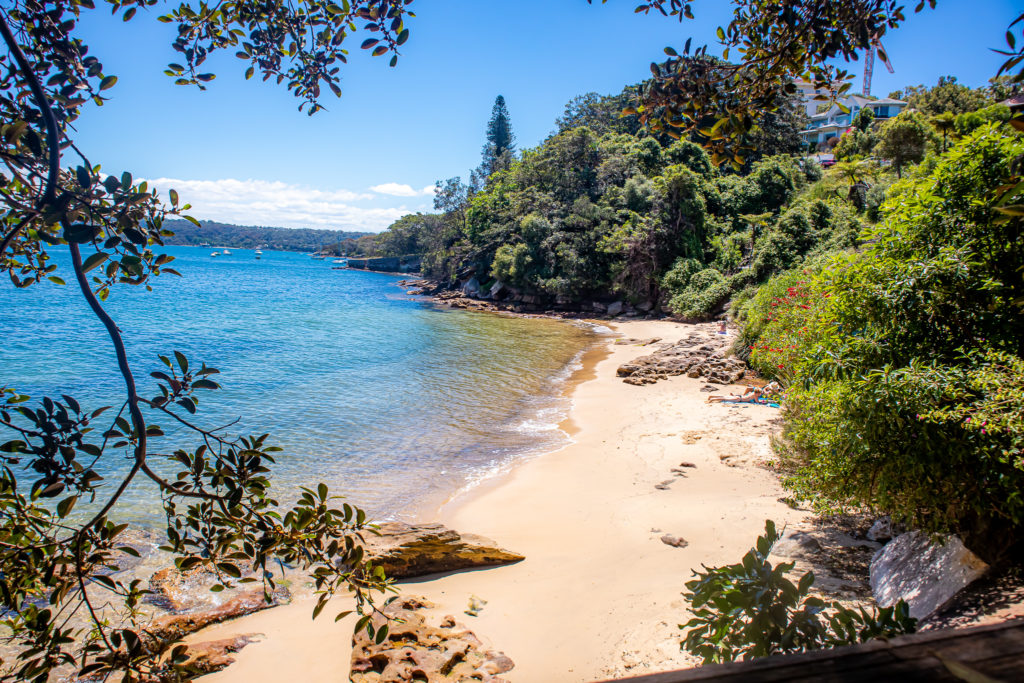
<point>751,395</point>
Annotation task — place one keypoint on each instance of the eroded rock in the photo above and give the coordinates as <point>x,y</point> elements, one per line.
<point>173,627</point>
<point>699,355</point>
<point>214,655</point>
<point>407,550</point>
<point>925,573</point>
<point>674,541</point>
<point>416,651</point>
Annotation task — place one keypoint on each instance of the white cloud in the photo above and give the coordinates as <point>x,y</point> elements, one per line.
<point>275,203</point>
<point>401,190</point>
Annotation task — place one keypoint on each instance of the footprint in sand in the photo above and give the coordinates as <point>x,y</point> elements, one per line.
<point>692,437</point>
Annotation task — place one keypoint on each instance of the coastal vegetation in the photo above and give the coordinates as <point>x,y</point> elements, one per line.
<point>903,357</point>
<point>683,214</point>
<point>253,237</point>
<point>751,609</point>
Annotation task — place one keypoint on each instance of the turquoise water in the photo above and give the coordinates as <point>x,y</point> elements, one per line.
<point>390,400</point>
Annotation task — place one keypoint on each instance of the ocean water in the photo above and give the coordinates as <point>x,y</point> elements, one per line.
<point>392,401</point>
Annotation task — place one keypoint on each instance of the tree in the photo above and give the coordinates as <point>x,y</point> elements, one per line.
<point>500,148</point>
<point>904,140</point>
<point>943,123</point>
<point>220,509</point>
<point>863,120</point>
<point>945,96</point>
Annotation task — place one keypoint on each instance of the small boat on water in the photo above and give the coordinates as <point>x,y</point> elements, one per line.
<point>227,252</point>
<point>341,261</point>
<point>216,253</point>
<point>258,254</point>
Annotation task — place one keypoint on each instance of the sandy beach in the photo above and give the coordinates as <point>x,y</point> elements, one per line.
<point>599,593</point>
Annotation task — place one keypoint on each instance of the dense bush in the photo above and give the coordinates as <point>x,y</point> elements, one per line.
<point>750,609</point>
<point>898,354</point>
<point>703,295</point>
<point>968,122</point>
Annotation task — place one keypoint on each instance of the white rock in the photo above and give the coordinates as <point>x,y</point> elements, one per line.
<point>615,308</point>
<point>925,574</point>
<point>881,530</point>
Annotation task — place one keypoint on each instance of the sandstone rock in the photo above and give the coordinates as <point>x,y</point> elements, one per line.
<point>173,627</point>
<point>674,541</point>
<point>615,308</point>
<point>498,290</point>
<point>599,307</point>
<point>924,573</point>
<point>405,550</point>
<point>214,655</point>
<point>417,651</point>
<point>179,591</point>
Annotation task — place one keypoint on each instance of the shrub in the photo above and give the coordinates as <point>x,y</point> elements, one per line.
<point>899,345</point>
<point>705,292</point>
<point>750,609</point>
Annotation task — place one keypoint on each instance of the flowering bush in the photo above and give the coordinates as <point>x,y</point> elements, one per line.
<point>904,362</point>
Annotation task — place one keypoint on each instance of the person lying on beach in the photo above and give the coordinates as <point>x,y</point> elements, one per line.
<point>751,395</point>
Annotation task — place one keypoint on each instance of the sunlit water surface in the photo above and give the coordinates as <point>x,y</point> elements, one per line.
<point>393,402</point>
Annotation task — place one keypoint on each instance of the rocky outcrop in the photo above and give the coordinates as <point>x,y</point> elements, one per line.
<point>214,655</point>
<point>416,651</point>
<point>407,550</point>
<point>698,355</point>
<point>923,572</point>
<point>174,627</point>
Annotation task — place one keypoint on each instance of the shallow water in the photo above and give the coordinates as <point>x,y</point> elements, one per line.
<point>390,400</point>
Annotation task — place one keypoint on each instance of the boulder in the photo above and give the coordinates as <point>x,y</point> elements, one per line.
<point>881,531</point>
<point>924,573</point>
<point>615,308</point>
<point>416,651</point>
<point>471,287</point>
<point>407,550</point>
<point>674,541</point>
<point>498,290</point>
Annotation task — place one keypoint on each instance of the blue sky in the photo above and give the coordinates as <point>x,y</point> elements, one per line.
<point>241,152</point>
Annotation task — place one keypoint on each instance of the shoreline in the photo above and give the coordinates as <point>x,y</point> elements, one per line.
<point>598,594</point>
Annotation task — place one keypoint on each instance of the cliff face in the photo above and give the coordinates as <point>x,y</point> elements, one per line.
<point>387,264</point>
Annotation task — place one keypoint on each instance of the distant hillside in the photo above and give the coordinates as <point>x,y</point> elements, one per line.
<point>250,237</point>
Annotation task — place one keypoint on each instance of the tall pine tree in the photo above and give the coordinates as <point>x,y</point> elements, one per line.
<point>500,148</point>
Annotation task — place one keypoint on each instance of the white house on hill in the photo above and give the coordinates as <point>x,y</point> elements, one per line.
<point>835,122</point>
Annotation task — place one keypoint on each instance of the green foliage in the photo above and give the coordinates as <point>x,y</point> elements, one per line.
<point>970,121</point>
<point>905,140</point>
<point>856,144</point>
<point>751,609</point>
<point>945,96</point>
<point>705,292</point>
<point>500,147</point>
<point>891,350</point>
<point>863,120</point>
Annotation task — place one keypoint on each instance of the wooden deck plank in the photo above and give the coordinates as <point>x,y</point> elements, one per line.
<point>995,650</point>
